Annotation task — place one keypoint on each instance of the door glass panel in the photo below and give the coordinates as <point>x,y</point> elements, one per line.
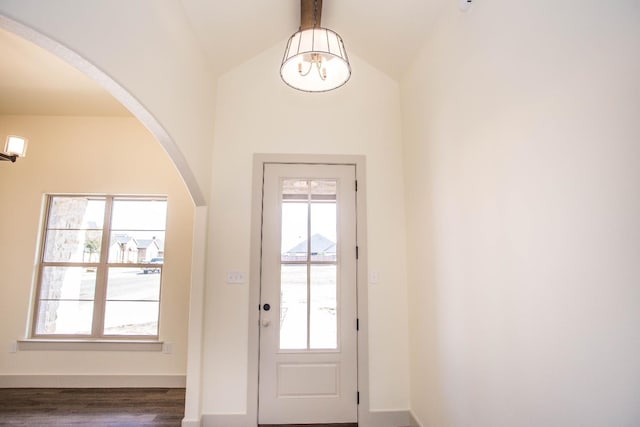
<point>323,231</point>
<point>323,310</point>
<point>294,231</point>
<point>324,187</point>
<point>293,307</point>
<point>293,189</point>
<point>308,306</point>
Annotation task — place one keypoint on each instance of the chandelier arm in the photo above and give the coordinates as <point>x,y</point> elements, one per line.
<point>307,72</point>
<point>322,72</point>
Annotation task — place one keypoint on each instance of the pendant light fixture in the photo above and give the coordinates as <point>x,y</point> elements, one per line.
<point>315,59</point>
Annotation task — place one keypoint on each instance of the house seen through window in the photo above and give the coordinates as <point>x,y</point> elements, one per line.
<point>100,267</point>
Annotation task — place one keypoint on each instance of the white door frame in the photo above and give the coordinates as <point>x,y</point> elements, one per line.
<point>254,283</point>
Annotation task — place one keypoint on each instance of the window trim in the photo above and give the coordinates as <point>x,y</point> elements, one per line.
<point>96,336</point>
<point>79,344</point>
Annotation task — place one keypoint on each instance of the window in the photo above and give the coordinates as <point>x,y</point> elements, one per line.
<point>100,267</point>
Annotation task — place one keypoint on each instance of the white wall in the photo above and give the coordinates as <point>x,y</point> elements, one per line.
<point>521,153</point>
<point>146,56</point>
<point>88,155</point>
<point>257,113</point>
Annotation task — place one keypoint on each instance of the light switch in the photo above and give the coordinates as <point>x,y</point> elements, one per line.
<point>235,277</point>
<point>465,5</point>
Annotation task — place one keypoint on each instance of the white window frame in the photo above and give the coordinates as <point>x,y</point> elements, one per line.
<point>102,268</point>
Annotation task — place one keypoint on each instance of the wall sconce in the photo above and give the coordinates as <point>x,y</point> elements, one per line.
<point>14,147</point>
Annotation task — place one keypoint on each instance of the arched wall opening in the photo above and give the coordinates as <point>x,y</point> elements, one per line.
<point>193,227</point>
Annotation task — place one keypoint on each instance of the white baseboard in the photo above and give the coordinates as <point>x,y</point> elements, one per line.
<point>228,420</point>
<point>374,419</point>
<point>191,423</point>
<point>413,420</point>
<point>92,381</point>
<point>387,419</point>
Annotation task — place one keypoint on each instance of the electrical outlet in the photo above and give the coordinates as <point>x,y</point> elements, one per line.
<point>167,348</point>
<point>235,277</point>
<point>374,277</point>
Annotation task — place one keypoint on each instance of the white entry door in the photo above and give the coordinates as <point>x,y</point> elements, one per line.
<point>308,333</point>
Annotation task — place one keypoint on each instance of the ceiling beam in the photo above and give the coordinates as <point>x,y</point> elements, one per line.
<point>310,13</point>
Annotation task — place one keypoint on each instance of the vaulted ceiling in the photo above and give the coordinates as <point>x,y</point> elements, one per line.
<point>384,33</point>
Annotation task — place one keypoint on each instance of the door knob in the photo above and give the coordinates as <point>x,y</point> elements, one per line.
<point>266,307</point>
<point>266,323</point>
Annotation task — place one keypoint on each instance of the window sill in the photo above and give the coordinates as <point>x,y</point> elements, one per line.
<point>88,345</point>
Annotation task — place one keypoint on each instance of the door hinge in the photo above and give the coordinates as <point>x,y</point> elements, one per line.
<point>357,324</point>
<point>356,252</point>
<point>358,397</point>
<point>356,185</point>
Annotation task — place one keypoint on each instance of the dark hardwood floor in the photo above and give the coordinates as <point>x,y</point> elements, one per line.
<point>111,407</point>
